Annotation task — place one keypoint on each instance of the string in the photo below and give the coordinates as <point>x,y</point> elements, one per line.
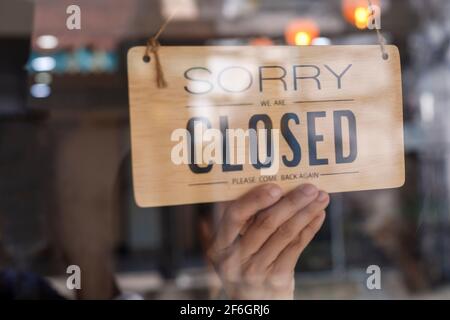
<point>381,39</point>
<point>153,47</point>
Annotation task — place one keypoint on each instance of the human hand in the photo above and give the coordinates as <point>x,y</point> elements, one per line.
<point>260,238</point>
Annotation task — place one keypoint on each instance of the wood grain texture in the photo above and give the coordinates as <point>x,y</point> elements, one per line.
<point>371,89</point>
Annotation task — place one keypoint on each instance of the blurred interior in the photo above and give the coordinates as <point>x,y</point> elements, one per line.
<point>65,169</point>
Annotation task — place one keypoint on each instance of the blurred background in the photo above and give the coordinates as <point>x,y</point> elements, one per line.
<point>65,170</point>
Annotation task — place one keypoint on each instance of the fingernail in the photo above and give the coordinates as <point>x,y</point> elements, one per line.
<point>275,192</point>
<point>322,196</point>
<point>309,189</point>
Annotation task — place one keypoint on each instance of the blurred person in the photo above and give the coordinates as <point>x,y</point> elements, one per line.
<point>254,247</point>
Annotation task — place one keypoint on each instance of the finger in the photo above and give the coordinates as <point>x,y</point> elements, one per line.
<point>290,231</point>
<point>240,211</point>
<point>268,221</point>
<point>284,265</point>
<point>247,225</point>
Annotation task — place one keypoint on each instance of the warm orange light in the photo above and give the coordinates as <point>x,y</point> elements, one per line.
<point>302,38</point>
<point>361,17</point>
<point>301,32</point>
<point>356,12</point>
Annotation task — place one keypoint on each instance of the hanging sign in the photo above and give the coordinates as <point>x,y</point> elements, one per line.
<point>232,118</point>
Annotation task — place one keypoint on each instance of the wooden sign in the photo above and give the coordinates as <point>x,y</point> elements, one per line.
<point>232,118</point>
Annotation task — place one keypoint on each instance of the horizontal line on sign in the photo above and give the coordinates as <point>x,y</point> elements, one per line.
<point>223,105</point>
<point>207,183</point>
<point>323,101</point>
<point>339,173</point>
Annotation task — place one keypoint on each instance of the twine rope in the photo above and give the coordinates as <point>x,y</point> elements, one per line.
<point>153,48</point>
